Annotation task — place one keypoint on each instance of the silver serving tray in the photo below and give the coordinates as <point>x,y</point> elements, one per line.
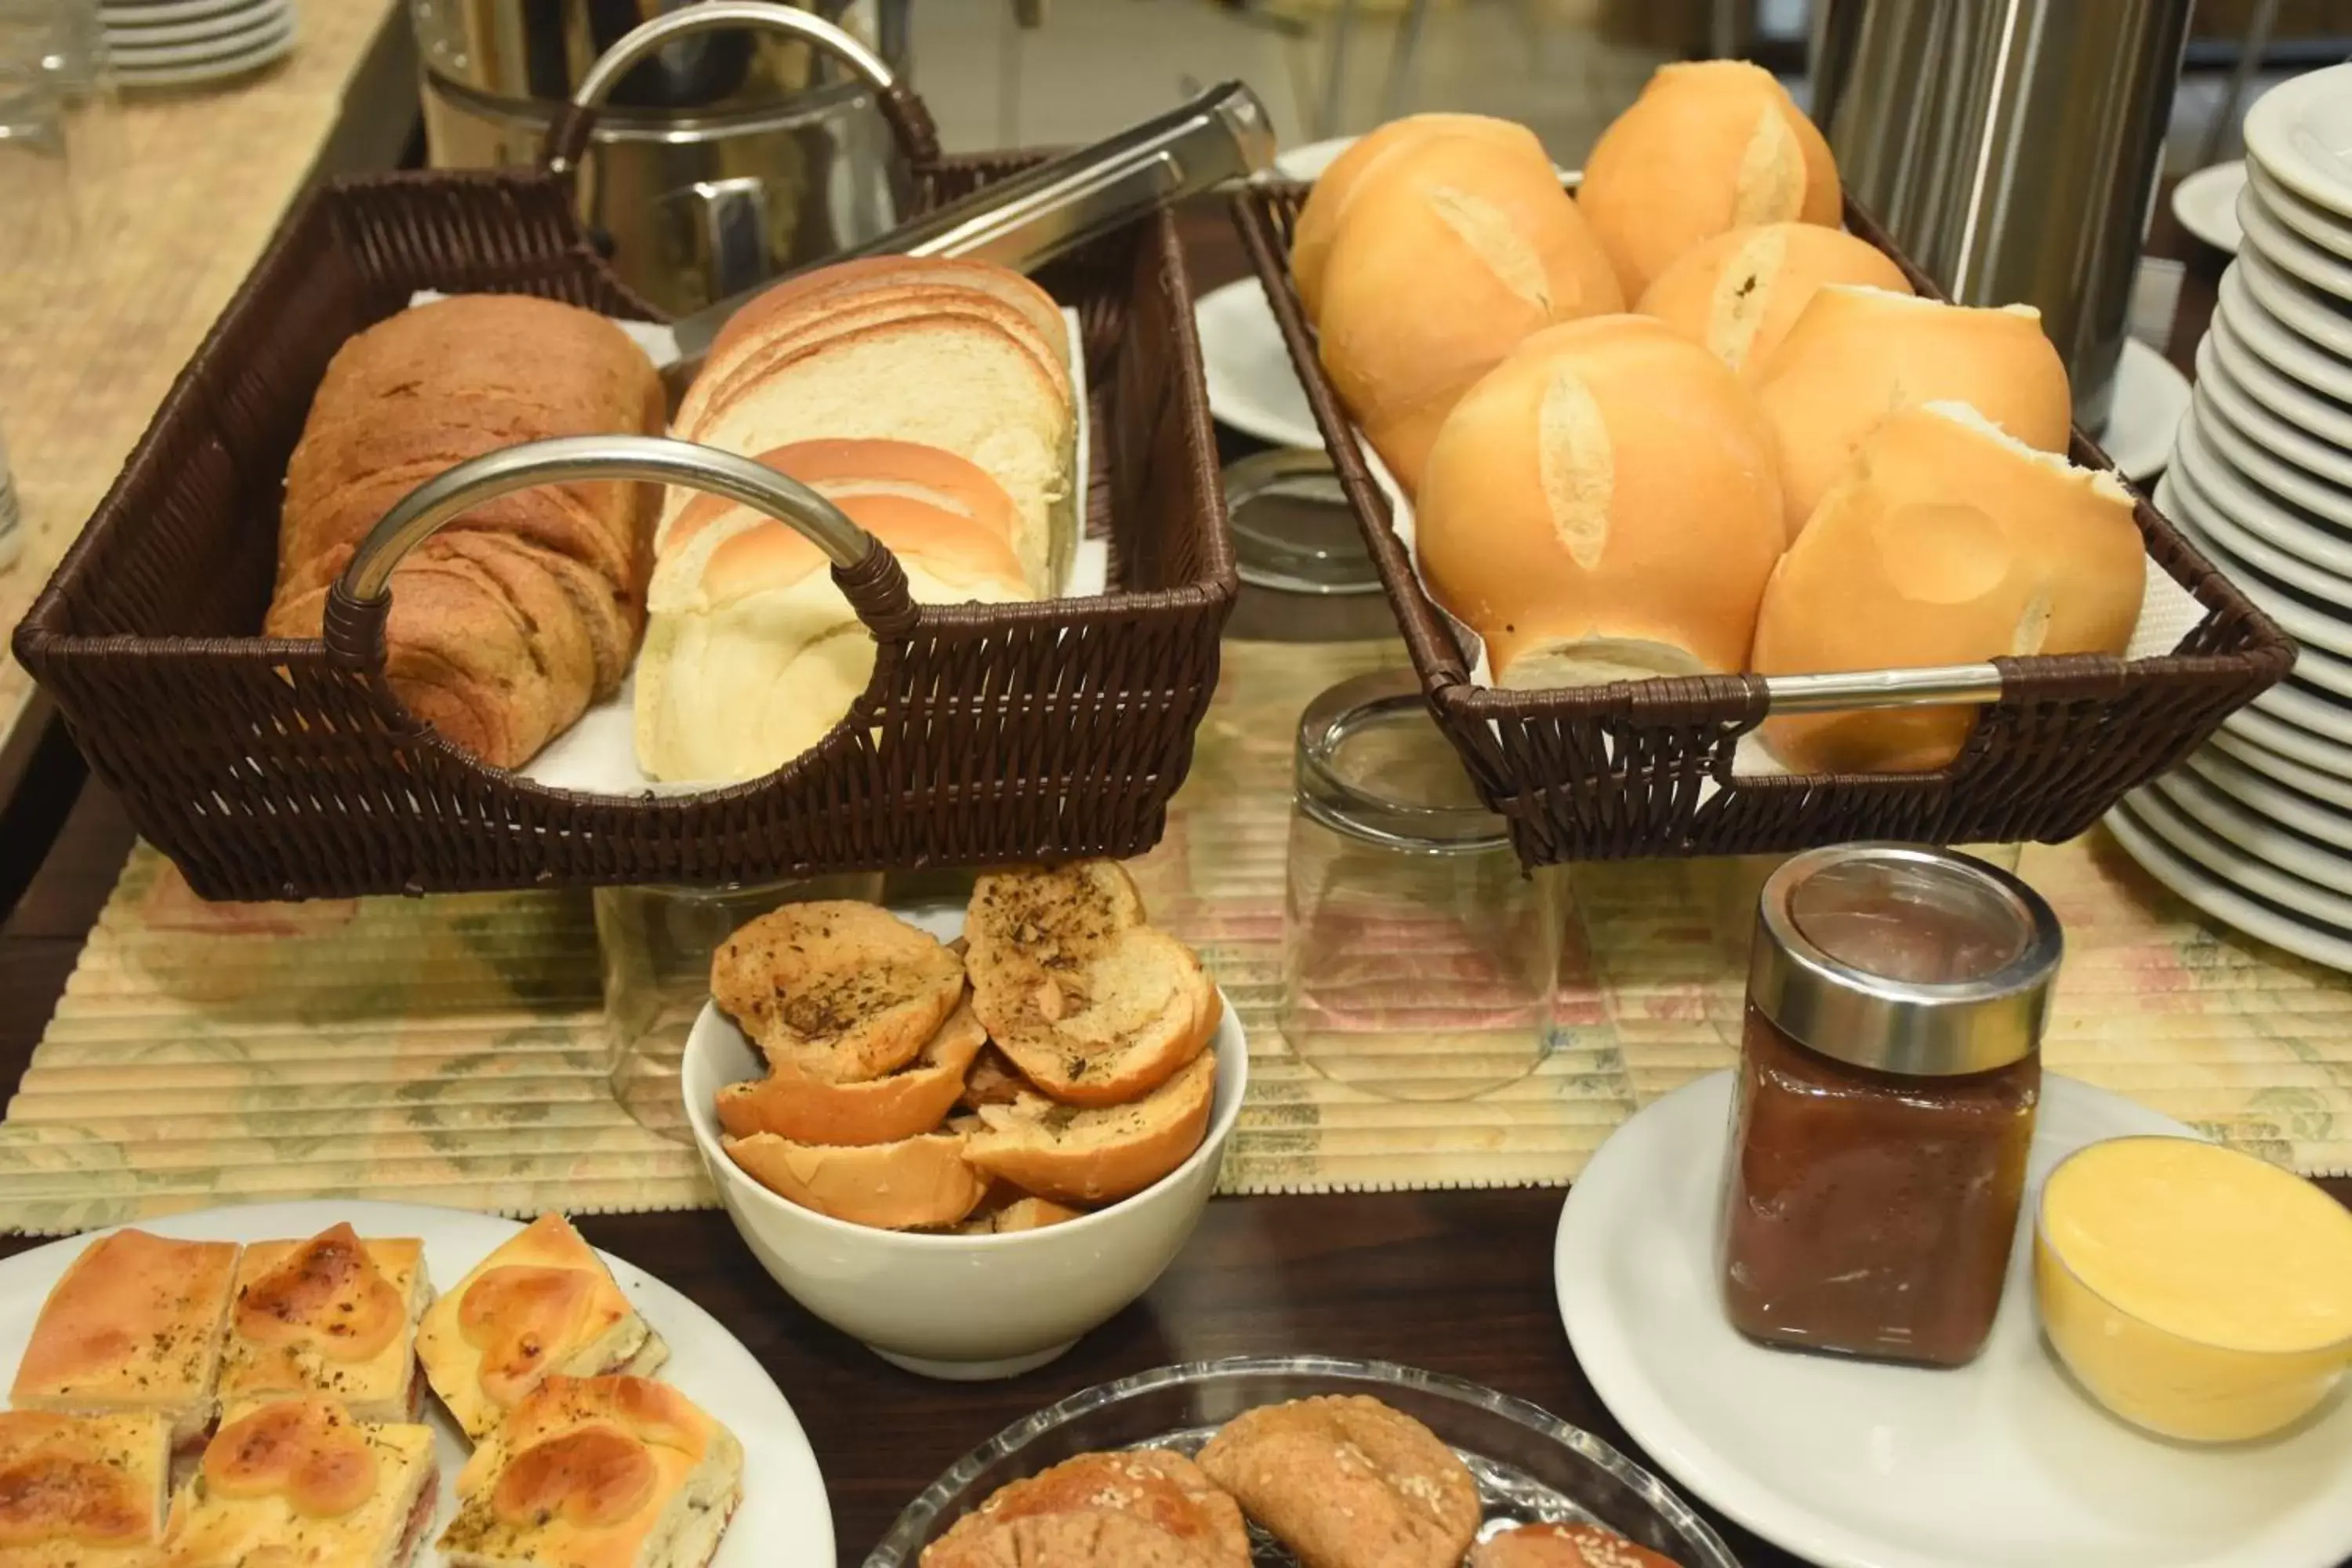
<point>1530,1466</point>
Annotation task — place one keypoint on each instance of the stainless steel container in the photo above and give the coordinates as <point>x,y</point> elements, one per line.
<point>2012,147</point>
<point>726,159</point>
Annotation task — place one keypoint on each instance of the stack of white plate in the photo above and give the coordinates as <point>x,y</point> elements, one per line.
<point>2256,830</point>
<point>184,43</point>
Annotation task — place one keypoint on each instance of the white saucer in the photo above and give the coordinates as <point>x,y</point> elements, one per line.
<point>222,28</point>
<point>2206,202</point>
<point>2322,322</point>
<point>2240,867</point>
<point>2266,336</point>
<point>785,1520</point>
<point>2315,751</point>
<point>2292,401</point>
<point>2256,794</point>
<point>2306,704</point>
<point>1253,386</point>
<point>2151,396</point>
<point>2286,591</point>
<point>135,14</point>
<point>2252,834</point>
<point>2225,903</point>
<point>2301,130</point>
<point>127,49</point>
<point>2327,788</point>
<point>222,69</point>
<point>2269,235</point>
<point>2317,225</point>
<point>2291,504</point>
<point>2244,415</point>
<point>2001,1464</point>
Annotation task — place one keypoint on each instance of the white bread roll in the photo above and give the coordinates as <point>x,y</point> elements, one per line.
<point>1856,355</point>
<point>1944,542</point>
<point>1602,507</point>
<point>1446,261</point>
<point>1360,164</point>
<point>1736,295</point>
<point>1708,146</point>
<point>751,654</point>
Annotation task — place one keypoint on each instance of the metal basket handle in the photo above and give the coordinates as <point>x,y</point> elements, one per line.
<point>567,139</point>
<point>863,567</point>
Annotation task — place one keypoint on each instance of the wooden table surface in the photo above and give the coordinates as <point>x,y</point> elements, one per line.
<point>1456,1282</point>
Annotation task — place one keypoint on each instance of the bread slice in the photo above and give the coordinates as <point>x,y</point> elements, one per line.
<point>802,1108</point>
<point>915,1183</point>
<point>1089,1538</point>
<point>1019,1214</point>
<point>1095,1156</point>
<point>82,1491</point>
<point>134,1328</point>
<point>843,991</point>
<point>1091,1006</point>
<point>1157,1485</point>
<point>300,1480</point>
<point>992,1080</point>
<point>618,1472</point>
<point>541,1305</point>
<point>334,1315</point>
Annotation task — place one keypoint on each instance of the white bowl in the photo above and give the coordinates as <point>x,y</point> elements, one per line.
<point>959,1307</point>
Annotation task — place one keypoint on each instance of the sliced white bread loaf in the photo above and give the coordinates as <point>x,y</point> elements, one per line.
<point>840,990</point>
<point>1076,1155</point>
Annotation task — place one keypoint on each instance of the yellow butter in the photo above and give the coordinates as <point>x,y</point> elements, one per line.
<point>2194,1290</point>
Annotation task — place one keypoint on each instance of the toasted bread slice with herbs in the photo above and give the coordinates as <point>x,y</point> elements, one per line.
<point>1077,1154</point>
<point>839,991</point>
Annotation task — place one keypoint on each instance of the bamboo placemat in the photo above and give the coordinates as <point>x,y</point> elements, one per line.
<point>171,199</point>
<point>454,1049</point>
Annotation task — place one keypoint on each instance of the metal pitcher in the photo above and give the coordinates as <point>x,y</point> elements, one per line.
<point>2012,147</point>
<point>727,157</point>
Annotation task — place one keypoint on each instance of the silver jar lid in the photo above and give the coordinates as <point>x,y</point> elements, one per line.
<point>1904,960</point>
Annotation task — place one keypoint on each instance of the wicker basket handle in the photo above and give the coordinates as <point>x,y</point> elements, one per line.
<point>567,139</point>
<point>863,567</point>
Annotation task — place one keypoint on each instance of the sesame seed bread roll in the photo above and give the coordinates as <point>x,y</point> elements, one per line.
<point>1944,542</point>
<point>1444,262</point>
<point>1710,146</point>
<point>1602,507</point>
<point>1857,355</point>
<point>1736,295</point>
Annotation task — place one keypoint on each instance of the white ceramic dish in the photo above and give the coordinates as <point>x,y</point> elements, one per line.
<point>2299,548</point>
<point>2329,789</point>
<point>2322,227</point>
<point>2238,866</point>
<point>1253,386</point>
<point>2307,706</point>
<point>2280,928</point>
<point>224,28</point>
<point>2150,399</point>
<point>126,50</point>
<point>959,1307</point>
<point>2314,751</point>
<point>2261,797</point>
<point>2283,601</point>
<point>2320,321</point>
<point>2279,244</point>
<point>2322,418</point>
<point>2245,422</point>
<point>783,1522</point>
<point>2328,502</point>
<point>2001,1464</point>
<point>2206,202</point>
<point>133,14</point>
<point>2301,130</point>
<point>2271,842</point>
<point>2283,350</point>
<point>253,59</point>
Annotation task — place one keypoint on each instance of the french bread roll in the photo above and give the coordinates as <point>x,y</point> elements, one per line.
<point>914,1183</point>
<point>753,655</point>
<point>1944,542</point>
<point>1710,146</point>
<point>1602,507</point>
<point>1736,295</point>
<point>1857,355</point>
<point>797,1105</point>
<point>1449,255</point>
<point>1361,164</point>
<point>1097,1154</point>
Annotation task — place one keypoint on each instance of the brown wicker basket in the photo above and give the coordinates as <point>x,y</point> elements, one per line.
<point>265,770</point>
<point>1645,768</point>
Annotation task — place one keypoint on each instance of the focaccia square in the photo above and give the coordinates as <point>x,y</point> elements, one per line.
<point>335,1315</point>
<point>302,1482</point>
<point>82,1491</point>
<point>597,1472</point>
<point>542,1303</point>
<point>135,1326</point>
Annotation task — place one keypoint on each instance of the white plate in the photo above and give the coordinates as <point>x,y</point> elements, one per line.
<point>128,52</point>
<point>2261,796</point>
<point>1851,1464</point>
<point>2240,867</point>
<point>2319,320</point>
<point>1253,386</point>
<point>2225,903</point>
<point>2265,335</point>
<point>210,71</point>
<point>2151,396</point>
<point>2312,751</point>
<point>2269,236</point>
<point>130,36</point>
<point>2285,599</point>
<point>783,1521</point>
<point>2249,480</point>
<point>2301,130</point>
<point>2257,378</point>
<point>2331,789</point>
<point>2317,225</point>
<point>2306,706</point>
<point>127,13</point>
<point>2206,202</point>
<point>2252,833</point>
<point>2243,413</point>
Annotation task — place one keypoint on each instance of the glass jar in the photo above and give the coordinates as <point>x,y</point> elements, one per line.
<point>1890,1066</point>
